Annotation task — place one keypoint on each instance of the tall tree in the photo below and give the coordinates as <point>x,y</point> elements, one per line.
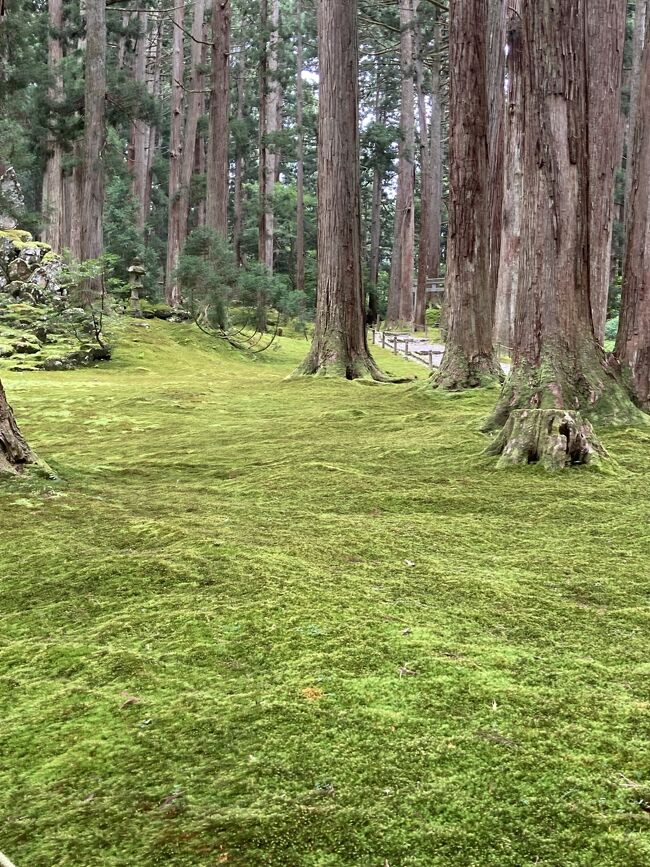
<point>469,358</point>
<point>300,157</point>
<point>269,116</point>
<point>559,369</point>
<point>638,41</point>
<point>427,195</point>
<point>172,289</point>
<point>633,341</point>
<point>495,77</point>
<point>52,206</point>
<point>15,454</point>
<point>605,40</point>
<point>435,153</point>
<point>217,180</point>
<point>400,294</point>
<point>194,102</point>
<point>92,205</point>
<point>139,139</point>
<point>513,193</point>
<point>339,346</point>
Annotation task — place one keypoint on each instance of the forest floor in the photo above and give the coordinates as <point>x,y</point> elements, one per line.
<point>308,623</point>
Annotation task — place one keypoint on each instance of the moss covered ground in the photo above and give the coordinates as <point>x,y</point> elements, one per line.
<point>307,623</point>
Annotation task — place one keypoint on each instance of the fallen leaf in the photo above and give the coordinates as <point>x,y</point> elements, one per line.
<point>313,693</point>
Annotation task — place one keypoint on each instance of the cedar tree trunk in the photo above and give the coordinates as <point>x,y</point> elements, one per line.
<point>216,213</point>
<point>400,292</point>
<point>339,347</point>
<point>633,341</point>
<point>605,39</point>
<point>559,370</point>
<point>469,359</point>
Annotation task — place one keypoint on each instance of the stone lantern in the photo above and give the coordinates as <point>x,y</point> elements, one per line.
<point>136,273</point>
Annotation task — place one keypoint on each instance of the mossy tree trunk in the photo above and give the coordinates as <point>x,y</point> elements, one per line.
<point>633,341</point>
<point>469,359</point>
<point>557,362</point>
<point>15,454</point>
<point>339,347</point>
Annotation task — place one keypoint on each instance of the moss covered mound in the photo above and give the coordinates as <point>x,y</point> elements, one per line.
<point>307,623</point>
<point>38,336</point>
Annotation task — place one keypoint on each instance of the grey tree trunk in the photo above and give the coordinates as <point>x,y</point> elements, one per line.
<point>140,129</point>
<point>172,289</point>
<point>300,158</point>
<point>513,192</point>
<point>52,206</point>
<point>269,116</point>
<point>427,198</point>
<point>240,169</point>
<point>435,148</point>
<point>400,293</point>
<point>495,75</point>
<point>92,205</point>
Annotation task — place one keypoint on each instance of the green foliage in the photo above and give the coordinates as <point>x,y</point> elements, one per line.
<point>611,329</point>
<point>433,315</point>
<point>277,624</point>
<point>208,275</point>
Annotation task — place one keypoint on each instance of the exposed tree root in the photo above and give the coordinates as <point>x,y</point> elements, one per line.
<point>330,360</point>
<point>554,438</point>
<point>458,372</point>
<point>587,384</point>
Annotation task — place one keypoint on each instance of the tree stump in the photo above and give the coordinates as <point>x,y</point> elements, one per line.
<point>554,438</point>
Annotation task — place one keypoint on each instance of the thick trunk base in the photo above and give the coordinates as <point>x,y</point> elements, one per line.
<point>553,438</point>
<point>588,383</point>
<point>15,454</point>
<point>458,372</point>
<point>332,360</point>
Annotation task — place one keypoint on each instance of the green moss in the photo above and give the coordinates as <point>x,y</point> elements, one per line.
<point>203,626</point>
<point>18,237</point>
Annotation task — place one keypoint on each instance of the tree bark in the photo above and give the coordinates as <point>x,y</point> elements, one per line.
<point>557,362</point>
<point>53,204</point>
<point>192,114</point>
<point>633,341</point>
<point>638,42</point>
<point>339,347</point>
<point>240,168</point>
<point>140,129</point>
<point>216,213</point>
<point>400,293</point>
<point>269,107</point>
<point>469,359</point>
<point>605,40</point>
<point>15,454</point>
<point>495,76</point>
<point>435,149</point>
<point>172,289</point>
<point>427,199</point>
<point>300,158</point>
<point>513,192</point>
<point>92,205</point>
<point>153,133</point>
